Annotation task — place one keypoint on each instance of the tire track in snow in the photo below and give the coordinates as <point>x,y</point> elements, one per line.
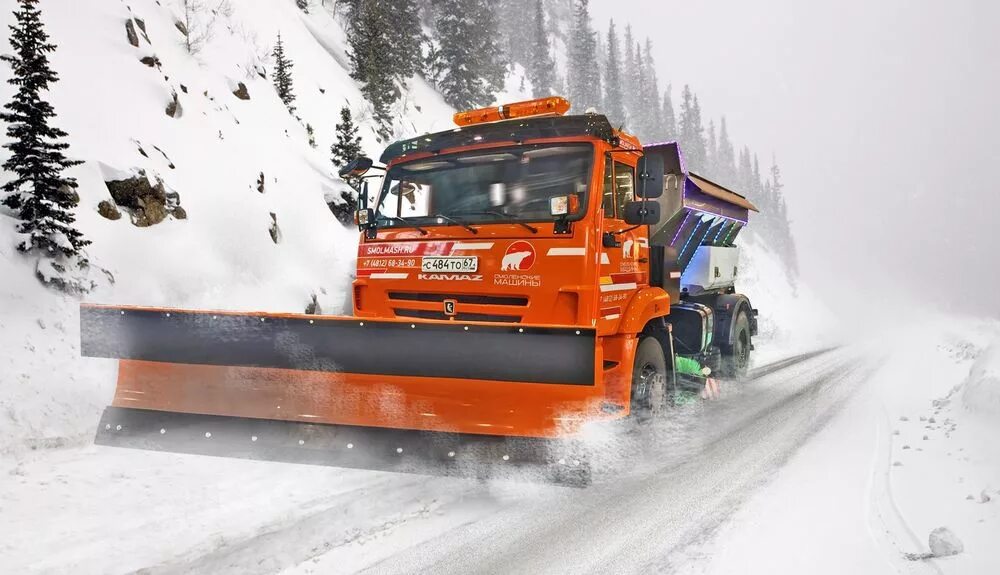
<point>640,523</point>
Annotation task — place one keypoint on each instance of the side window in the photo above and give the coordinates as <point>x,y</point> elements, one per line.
<point>624,185</point>
<point>608,201</point>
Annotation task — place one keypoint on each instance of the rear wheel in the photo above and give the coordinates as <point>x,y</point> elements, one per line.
<point>649,377</point>
<point>736,357</point>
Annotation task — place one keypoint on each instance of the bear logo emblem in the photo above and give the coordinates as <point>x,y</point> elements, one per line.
<point>520,256</point>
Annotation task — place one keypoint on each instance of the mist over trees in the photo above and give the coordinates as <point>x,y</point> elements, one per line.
<point>468,48</point>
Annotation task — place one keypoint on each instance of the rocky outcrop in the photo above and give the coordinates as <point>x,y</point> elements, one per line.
<point>108,210</point>
<point>151,61</point>
<point>174,109</point>
<point>133,38</point>
<point>241,92</point>
<point>147,204</point>
<point>274,230</point>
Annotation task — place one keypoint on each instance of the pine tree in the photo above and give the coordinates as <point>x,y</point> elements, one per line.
<point>582,74</point>
<point>669,119</point>
<point>347,145</point>
<point>283,75</point>
<point>651,96</point>
<point>541,67</point>
<point>692,138</point>
<point>516,21</point>
<point>384,39</point>
<point>614,104</point>
<point>726,162</point>
<point>472,66</point>
<point>712,153</point>
<point>42,196</point>
<point>630,81</point>
<point>745,174</point>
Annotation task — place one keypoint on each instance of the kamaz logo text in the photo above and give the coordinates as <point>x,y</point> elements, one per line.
<point>450,277</point>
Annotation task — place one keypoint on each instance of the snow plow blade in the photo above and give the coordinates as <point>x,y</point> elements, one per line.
<point>401,451</point>
<point>441,376</point>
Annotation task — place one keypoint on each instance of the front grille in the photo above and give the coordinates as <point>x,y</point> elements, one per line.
<point>431,314</point>
<point>460,298</point>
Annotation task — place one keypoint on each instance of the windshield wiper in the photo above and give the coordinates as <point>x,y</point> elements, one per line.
<point>422,231</point>
<point>512,218</point>
<point>457,222</point>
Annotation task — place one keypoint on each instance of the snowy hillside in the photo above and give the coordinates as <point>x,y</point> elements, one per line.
<point>239,167</point>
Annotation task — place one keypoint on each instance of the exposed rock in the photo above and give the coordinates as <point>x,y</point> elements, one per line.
<point>142,27</point>
<point>70,194</point>
<point>984,497</point>
<point>151,61</point>
<point>274,230</point>
<point>133,38</point>
<point>184,88</point>
<point>179,213</point>
<point>944,543</point>
<point>903,418</point>
<point>906,447</point>
<point>313,307</point>
<point>174,109</point>
<point>896,464</point>
<point>241,92</point>
<point>147,204</point>
<point>181,27</point>
<point>260,183</point>
<point>108,210</point>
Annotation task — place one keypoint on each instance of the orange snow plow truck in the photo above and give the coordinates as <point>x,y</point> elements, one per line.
<point>517,277</point>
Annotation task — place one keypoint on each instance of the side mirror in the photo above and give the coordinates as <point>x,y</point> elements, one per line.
<point>650,171</point>
<point>365,218</point>
<point>356,168</point>
<point>564,205</point>
<point>642,213</point>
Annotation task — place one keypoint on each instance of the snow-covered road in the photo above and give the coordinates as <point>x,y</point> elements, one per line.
<point>671,497</point>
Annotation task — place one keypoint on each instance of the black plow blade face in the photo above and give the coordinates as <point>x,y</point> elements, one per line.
<point>422,452</point>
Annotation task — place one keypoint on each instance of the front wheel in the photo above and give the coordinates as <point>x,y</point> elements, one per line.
<point>649,378</point>
<point>736,357</point>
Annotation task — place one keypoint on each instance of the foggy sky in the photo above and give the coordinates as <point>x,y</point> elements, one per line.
<point>883,116</point>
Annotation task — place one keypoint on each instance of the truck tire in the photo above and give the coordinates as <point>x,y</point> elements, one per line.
<point>649,379</point>
<point>736,357</point>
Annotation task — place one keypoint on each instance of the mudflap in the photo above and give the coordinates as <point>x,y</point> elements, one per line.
<point>558,461</point>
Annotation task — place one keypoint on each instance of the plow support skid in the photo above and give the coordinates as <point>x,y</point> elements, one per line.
<point>463,377</point>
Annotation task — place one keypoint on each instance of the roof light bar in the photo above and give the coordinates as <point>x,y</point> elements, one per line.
<point>551,106</point>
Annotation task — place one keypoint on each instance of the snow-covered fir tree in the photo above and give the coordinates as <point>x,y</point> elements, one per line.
<point>471,60</point>
<point>39,192</point>
<point>347,145</point>
<point>541,67</point>
<point>516,23</point>
<point>582,75</point>
<point>691,133</point>
<point>283,75</point>
<point>614,103</point>
<point>669,119</point>
<point>384,39</point>
<point>651,96</point>
<point>630,80</point>
<point>712,153</point>
<point>725,162</point>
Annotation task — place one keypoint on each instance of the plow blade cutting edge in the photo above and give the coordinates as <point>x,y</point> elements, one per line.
<point>343,375</point>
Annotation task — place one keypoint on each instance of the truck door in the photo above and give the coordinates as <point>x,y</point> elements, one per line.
<point>624,249</point>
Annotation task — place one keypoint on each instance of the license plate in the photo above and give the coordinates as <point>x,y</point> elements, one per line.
<point>462,264</point>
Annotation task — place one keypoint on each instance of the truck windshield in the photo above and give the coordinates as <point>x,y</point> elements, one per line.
<point>485,186</point>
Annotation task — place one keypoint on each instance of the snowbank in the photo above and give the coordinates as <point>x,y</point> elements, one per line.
<point>791,318</point>
<point>981,390</point>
